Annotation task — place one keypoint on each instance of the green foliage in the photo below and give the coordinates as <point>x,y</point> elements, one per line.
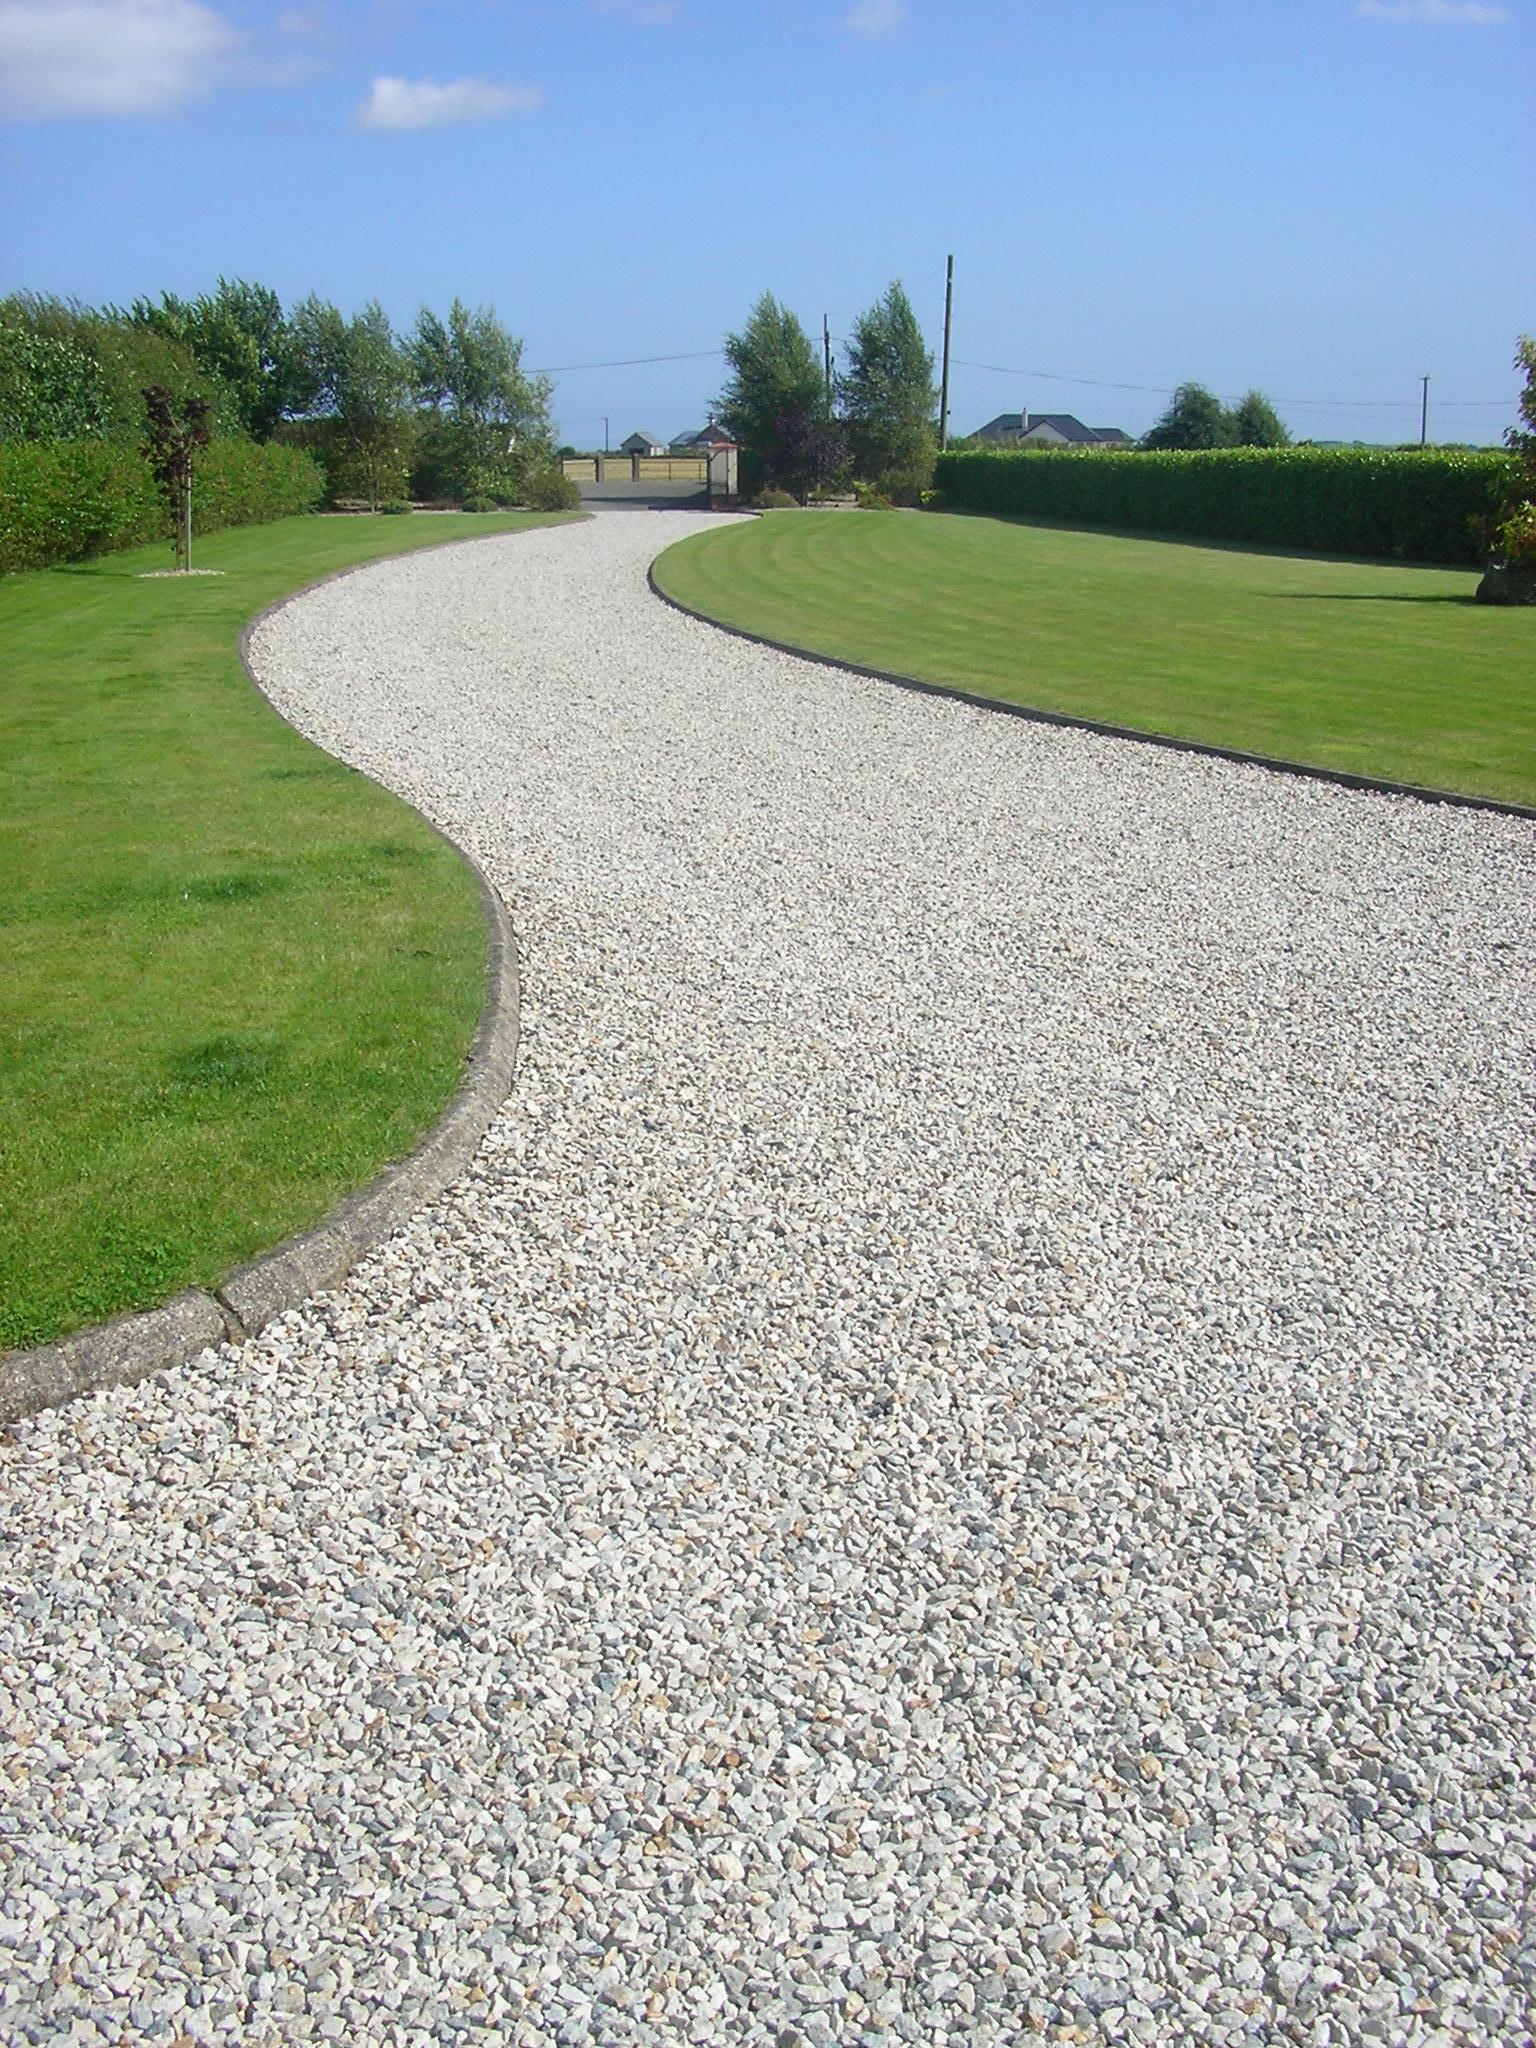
<point>775,402</point>
<point>550,490</point>
<point>1514,538</point>
<point>775,500</point>
<point>1421,505</point>
<point>1521,440</point>
<point>484,421</point>
<point>871,498</point>
<point>935,501</point>
<point>352,378</point>
<point>237,335</point>
<point>478,504</point>
<point>888,399</point>
<point>1256,424</point>
<point>1196,418</point>
<point>72,499</point>
<point>50,387</point>
<point>174,435</point>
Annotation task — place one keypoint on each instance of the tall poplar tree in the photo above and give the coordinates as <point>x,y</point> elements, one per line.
<point>889,400</point>
<point>775,401</point>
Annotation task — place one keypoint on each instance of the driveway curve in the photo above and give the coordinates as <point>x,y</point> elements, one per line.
<point>958,1469</point>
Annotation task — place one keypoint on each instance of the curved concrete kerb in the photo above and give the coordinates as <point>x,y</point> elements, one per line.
<point>131,1347</point>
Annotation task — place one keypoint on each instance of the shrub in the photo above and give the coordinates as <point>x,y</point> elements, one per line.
<point>871,499</point>
<point>396,506</point>
<point>1420,505</point>
<point>1514,539</point>
<point>935,501</point>
<point>775,500</point>
<point>551,490</point>
<point>63,501</point>
<point>478,503</point>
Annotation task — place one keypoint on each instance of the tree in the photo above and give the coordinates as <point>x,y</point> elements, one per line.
<point>350,381</point>
<point>775,400</point>
<point>888,398</point>
<point>173,433</point>
<point>1196,418</point>
<point>486,426</point>
<point>1521,440</point>
<point>371,386</point>
<point>1256,424</point>
<point>238,335</point>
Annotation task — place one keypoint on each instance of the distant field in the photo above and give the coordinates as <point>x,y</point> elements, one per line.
<point>238,977</point>
<point>1372,668</point>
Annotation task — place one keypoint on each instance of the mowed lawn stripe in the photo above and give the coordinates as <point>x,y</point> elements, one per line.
<point>239,977</point>
<point>1372,668</point>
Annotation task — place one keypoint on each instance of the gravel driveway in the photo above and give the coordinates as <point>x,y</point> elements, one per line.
<point>958,1470</point>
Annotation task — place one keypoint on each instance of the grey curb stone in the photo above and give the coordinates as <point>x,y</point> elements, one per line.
<point>1341,776</point>
<point>129,1348</point>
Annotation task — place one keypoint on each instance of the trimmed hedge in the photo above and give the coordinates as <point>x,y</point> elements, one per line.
<point>1416,505</point>
<point>61,501</point>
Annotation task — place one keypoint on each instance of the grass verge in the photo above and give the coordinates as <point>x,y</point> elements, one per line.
<point>1373,668</point>
<point>239,977</point>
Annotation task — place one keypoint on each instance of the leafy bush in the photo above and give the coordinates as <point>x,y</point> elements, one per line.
<point>397,506</point>
<point>477,503</point>
<point>1422,505</point>
<point>775,500</point>
<point>934,501</point>
<point>63,501</point>
<point>870,499</point>
<point>551,490</point>
<point>1514,538</point>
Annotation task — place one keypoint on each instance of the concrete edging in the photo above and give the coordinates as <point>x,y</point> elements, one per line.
<point>131,1347</point>
<point>1342,777</point>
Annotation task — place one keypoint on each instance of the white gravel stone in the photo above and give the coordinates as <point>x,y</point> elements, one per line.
<point>958,1469</point>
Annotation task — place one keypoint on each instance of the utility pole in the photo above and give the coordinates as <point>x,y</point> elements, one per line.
<point>605,433</point>
<point>1424,412</point>
<point>826,354</point>
<point>949,306</point>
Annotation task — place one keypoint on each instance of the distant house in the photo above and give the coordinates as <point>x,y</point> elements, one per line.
<point>1048,430</point>
<point>710,436</point>
<point>642,444</point>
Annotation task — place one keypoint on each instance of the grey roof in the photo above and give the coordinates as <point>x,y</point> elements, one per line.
<point>640,434</point>
<point>713,431</point>
<point>1067,424</point>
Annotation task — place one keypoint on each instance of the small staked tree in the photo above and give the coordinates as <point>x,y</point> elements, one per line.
<point>172,435</point>
<point>888,399</point>
<point>775,401</point>
<point>1196,418</point>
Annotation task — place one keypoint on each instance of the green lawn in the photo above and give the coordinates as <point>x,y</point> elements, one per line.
<point>1369,667</point>
<point>238,977</point>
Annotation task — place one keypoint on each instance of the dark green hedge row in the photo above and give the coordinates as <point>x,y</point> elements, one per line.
<point>61,501</point>
<point>1417,505</point>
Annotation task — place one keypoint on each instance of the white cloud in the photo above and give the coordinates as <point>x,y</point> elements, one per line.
<point>61,58</point>
<point>643,13</point>
<point>397,103</point>
<point>875,17</point>
<point>1457,13</point>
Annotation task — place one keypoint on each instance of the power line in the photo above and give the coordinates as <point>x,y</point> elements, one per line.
<point>626,363</point>
<point>1318,404</point>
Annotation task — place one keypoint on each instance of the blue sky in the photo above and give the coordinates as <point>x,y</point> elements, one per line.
<point>1323,198</point>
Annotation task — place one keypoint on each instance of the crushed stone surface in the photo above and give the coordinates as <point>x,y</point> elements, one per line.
<point>958,1469</point>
